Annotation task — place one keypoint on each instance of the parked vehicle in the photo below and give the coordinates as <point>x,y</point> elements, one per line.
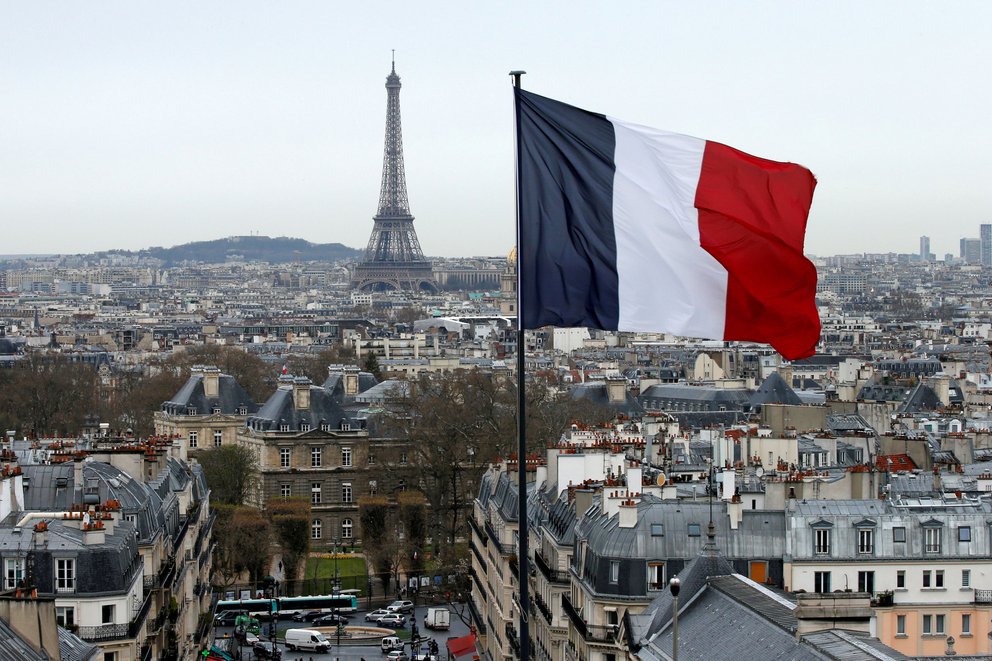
<point>306,639</point>
<point>401,606</point>
<point>374,616</point>
<point>390,643</point>
<point>437,618</point>
<point>247,623</point>
<point>306,616</point>
<point>394,620</point>
<point>397,655</point>
<point>228,618</point>
<point>329,620</point>
<point>264,651</point>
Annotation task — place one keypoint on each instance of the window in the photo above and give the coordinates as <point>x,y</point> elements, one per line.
<point>657,529</point>
<point>931,540</point>
<point>927,578</point>
<point>964,534</point>
<point>284,457</point>
<point>965,624</point>
<point>284,426</point>
<point>346,493</point>
<point>373,487</point>
<point>346,528</point>
<point>13,572</point>
<point>927,624</point>
<point>65,575</point>
<point>938,578</point>
<point>371,460</point>
<point>107,614</point>
<point>315,457</point>
<point>901,579</point>
<point>403,457</point>
<point>218,438</point>
<point>899,534</point>
<point>866,581</point>
<point>694,530</point>
<point>900,625</point>
<point>242,410</point>
<point>821,544</point>
<point>938,624</point>
<point>315,493</point>
<point>614,571</point>
<point>193,436</point>
<point>285,490</point>
<point>866,540</point>
<point>656,576</point>
<point>821,581</point>
<point>65,616</point>
<point>110,656</point>
<point>324,426</point>
<point>315,529</point>
<point>346,456</point>
<point>966,578</point>
<point>304,426</point>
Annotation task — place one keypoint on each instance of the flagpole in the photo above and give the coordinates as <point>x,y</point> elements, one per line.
<point>522,572</point>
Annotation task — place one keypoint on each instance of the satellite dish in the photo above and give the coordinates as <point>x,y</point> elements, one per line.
<point>760,471</point>
<point>661,479</point>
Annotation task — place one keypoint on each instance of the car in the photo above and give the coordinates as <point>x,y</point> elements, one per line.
<point>250,639</point>
<point>228,618</point>
<point>374,616</point>
<point>397,655</point>
<point>394,620</point>
<point>329,620</point>
<point>265,651</point>
<point>306,616</point>
<point>401,606</point>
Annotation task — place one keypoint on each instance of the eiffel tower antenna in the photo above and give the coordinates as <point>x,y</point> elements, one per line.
<point>393,259</point>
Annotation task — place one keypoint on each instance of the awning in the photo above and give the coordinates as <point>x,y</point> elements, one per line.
<point>462,646</point>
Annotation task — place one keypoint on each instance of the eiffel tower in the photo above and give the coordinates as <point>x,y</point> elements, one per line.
<point>393,259</point>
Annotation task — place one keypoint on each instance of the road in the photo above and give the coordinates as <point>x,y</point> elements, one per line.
<point>352,652</point>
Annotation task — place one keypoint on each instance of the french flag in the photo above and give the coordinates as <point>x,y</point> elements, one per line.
<point>624,227</point>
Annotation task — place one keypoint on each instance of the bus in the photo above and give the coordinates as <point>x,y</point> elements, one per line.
<point>289,606</point>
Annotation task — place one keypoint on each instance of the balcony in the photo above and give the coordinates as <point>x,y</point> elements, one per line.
<point>543,607</point>
<point>552,575</point>
<point>513,638</point>
<point>504,549</point>
<point>107,632</point>
<point>480,626</point>
<point>983,596</point>
<point>476,552</point>
<point>592,633</point>
<point>477,530</point>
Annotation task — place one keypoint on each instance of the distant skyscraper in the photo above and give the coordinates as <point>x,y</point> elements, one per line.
<point>985,236</point>
<point>393,258</point>
<point>971,251</point>
<point>925,247</point>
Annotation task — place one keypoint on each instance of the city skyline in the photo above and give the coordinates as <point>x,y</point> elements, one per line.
<point>132,127</point>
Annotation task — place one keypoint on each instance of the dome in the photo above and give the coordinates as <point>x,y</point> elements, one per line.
<point>511,258</point>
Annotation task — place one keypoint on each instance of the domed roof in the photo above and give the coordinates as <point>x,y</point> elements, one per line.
<point>511,258</point>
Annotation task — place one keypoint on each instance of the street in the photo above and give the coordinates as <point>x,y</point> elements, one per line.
<point>351,652</point>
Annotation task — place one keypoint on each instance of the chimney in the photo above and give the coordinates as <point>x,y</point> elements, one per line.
<point>541,476</point>
<point>583,501</point>
<point>785,371</point>
<point>634,478</point>
<point>211,380</point>
<point>735,510</point>
<point>351,381</point>
<point>41,534</point>
<point>301,393</point>
<point>628,514</point>
<point>616,389</point>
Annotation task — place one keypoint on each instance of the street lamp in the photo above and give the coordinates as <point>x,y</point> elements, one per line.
<point>675,585</point>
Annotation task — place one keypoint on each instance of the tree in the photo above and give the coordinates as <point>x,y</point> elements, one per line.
<point>244,543</point>
<point>47,393</point>
<point>291,523</point>
<point>374,515</point>
<point>314,365</point>
<point>413,520</point>
<point>371,365</point>
<point>230,471</point>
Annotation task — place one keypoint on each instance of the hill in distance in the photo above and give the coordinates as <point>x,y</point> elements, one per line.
<point>276,250</point>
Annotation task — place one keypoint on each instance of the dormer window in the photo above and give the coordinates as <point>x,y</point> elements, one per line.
<point>215,410</point>
<point>242,410</point>
<point>304,426</point>
<point>821,541</point>
<point>283,426</point>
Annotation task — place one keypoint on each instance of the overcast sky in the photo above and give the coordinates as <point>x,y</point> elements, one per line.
<point>132,124</point>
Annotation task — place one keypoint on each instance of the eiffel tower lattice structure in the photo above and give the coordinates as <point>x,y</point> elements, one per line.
<point>393,259</point>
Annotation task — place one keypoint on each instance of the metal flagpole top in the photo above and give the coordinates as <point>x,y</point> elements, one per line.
<point>516,77</point>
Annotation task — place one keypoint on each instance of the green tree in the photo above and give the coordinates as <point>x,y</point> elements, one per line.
<point>291,523</point>
<point>244,543</point>
<point>230,471</point>
<point>371,365</point>
<point>377,536</point>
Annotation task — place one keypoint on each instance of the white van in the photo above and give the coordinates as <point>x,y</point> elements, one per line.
<point>306,639</point>
<point>390,643</point>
